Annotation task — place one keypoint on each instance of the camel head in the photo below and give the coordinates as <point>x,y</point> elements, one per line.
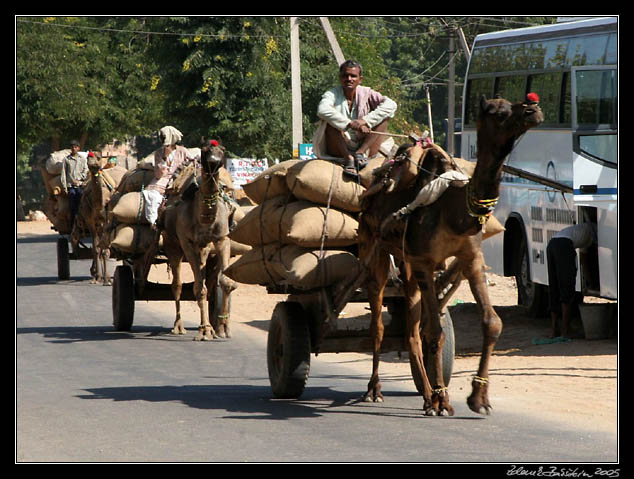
<point>94,163</point>
<point>212,156</point>
<point>501,123</point>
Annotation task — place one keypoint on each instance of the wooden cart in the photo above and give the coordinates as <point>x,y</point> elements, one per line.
<point>309,322</point>
<point>130,284</point>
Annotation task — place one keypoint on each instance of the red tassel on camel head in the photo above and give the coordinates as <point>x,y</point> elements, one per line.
<point>532,98</point>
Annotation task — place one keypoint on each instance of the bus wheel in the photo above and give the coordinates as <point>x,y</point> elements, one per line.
<point>532,296</point>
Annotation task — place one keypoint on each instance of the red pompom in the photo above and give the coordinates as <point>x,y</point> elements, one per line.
<point>91,154</point>
<point>213,142</point>
<point>532,98</point>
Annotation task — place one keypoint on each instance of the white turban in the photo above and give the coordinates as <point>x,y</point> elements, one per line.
<point>171,135</point>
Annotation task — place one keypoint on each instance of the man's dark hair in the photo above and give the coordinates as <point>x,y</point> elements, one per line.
<point>350,64</point>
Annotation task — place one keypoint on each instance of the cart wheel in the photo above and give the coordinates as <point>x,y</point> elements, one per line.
<point>288,350</point>
<point>123,298</point>
<point>448,353</point>
<point>63,259</point>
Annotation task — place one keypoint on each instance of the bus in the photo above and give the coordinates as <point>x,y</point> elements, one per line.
<point>573,67</point>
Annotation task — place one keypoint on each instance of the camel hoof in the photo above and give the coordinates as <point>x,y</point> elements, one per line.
<point>371,397</point>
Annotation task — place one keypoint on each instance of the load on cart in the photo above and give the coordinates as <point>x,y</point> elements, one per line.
<point>304,238</point>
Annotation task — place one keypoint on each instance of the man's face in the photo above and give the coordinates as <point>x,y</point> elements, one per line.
<point>74,148</point>
<point>350,78</point>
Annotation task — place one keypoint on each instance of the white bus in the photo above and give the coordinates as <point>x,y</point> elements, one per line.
<point>573,67</point>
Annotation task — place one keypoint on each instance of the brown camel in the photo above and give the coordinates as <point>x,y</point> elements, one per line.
<point>424,238</point>
<point>91,216</point>
<point>194,225</point>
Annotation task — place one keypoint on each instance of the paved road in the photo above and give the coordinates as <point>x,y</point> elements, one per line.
<point>85,392</point>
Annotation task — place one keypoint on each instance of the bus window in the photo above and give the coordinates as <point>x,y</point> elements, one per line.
<point>596,97</point>
<point>511,88</point>
<point>475,89</point>
<point>587,50</point>
<point>548,87</point>
<point>601,147</point>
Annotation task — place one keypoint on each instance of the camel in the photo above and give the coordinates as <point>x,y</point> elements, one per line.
<point>424,238</point>
<point>194,226</point>
<point>92,215</point>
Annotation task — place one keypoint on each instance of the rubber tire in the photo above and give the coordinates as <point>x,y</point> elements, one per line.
<point>288,350</point>
<point>63,259</point>
<point>123,298</point>
<point>533,297</point>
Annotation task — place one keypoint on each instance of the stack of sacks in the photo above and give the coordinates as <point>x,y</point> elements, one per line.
<point>299,232</point>
<point>131,232</point>
<point>56,204</point>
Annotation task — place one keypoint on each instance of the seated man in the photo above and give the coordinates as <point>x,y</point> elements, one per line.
<point>167,160</point>
<point>351,112</point>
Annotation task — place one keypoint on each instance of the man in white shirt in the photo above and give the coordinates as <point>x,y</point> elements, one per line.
<point>562,270</point>
<point>351,112</point>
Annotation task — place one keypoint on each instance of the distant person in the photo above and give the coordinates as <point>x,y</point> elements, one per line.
<point>562,271</point>
<point>351,112</point>
<point>74,175</point>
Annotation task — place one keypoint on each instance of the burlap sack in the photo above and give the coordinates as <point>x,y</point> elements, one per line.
<point>269,183</point>
<point>254,267</point>
<point>128,208</point>
<point>297,222</point>
<point>299,267</point>
<point>133,238</point>
<point>323,182</point>
<point>55,161</point>
<point>54,186</point>
<point>135,180</point>
<point>492,227</point>
<point>307,269</point>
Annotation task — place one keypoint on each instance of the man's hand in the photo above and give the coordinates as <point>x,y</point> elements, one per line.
<point>360,126</point>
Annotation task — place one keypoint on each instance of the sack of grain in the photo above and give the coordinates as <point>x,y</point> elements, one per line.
<point>136,180</point>
<point>324,183</point>
<point>254,267</point>
<point>129,207</point>
<point>307,269</point>
<point>270,183</point>
<point>297,222</point>
<point>133,239</point>
<point>299,267</point>
<point>492,227</point>
<point>55,161</point>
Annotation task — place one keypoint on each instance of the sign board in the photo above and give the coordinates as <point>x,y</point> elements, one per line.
<point>306,151</point>
<point>245,170</point>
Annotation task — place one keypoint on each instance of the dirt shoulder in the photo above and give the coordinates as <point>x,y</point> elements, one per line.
<point>572,383</point>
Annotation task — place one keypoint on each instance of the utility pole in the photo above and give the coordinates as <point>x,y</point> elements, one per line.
<point>332,39</point>
<point>296,86</point>
<point>451,97</point>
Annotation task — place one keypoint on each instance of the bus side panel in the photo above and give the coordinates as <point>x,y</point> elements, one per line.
<point>607,224</point>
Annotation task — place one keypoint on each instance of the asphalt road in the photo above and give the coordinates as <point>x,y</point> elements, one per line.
<point>86,393</point>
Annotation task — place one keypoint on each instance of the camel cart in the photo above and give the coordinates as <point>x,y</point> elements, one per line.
<point>57,211</point>
<point>310,322</point>
<point>130,284</point>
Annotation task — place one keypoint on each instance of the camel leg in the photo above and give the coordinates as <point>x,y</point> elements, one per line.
<point>198,260</point>
<point>478,401</point>
<point>414,311</point>
<point>435,339</point>
<point>375,284</point>
<point>105,257</point>
<point>175,262</point>
<point>223,254</point>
